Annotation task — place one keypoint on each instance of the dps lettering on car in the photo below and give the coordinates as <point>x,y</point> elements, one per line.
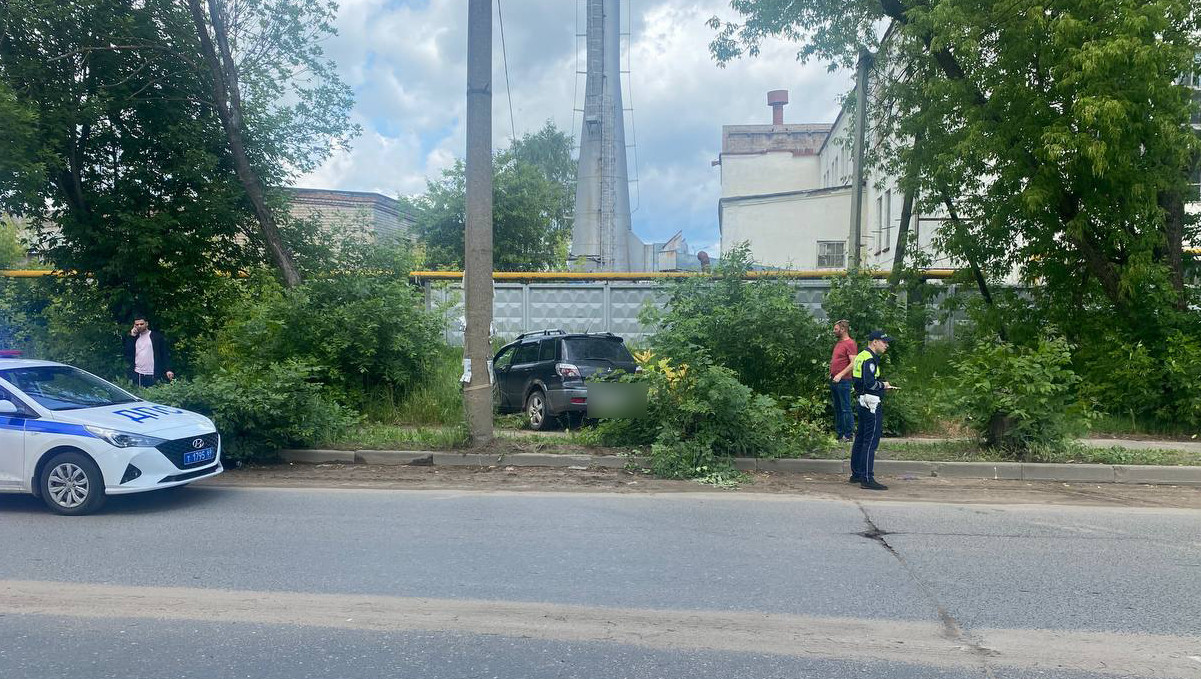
<point>147,412</point>
<point>73,439</point>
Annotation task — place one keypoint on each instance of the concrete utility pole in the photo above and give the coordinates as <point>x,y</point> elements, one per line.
<point>477,241</point>
<point>865,64</point>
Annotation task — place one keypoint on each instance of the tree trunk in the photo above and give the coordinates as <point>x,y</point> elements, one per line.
<point>228,101</point>
<point>911,171</point>
<point>898,260</point>
<point>1172,203</point>
<point>981,282</point>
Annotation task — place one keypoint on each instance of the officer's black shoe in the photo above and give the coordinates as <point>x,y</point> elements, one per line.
<point>872,484</point>
<point>856,479</point>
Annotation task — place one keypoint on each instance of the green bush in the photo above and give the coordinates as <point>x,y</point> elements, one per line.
<point>75,321</point>
<point>700,416</point>
<point>1182,381</point>
<point>1122,377</point>
<point>1017,398</point>
<point>1150,386</point>
<point>360,332</point>
<point>755,328</point>
<point>259,411</point>
<point>808,423</point>
<point>46,319</point>
<point>922,404</point>
<point>867,305</point>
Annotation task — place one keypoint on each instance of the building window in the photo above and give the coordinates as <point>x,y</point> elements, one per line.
<point>887,242</point>
<point>1195,188</point>
<point>879,224</point>
<point>831,254</point>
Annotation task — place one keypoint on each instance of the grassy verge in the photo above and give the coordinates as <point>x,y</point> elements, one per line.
<point>374,436</point>
<point>377,436</point>
<point>1072,453</point>
<point>1109,425</point>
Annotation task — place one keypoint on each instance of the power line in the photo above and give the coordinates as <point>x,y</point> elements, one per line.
<point>508,88</point>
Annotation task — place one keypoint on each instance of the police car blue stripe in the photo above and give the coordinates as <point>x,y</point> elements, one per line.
<point>19,423</point>
<point>58,428</point>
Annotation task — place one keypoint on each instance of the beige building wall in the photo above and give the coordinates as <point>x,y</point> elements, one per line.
<point>787,231</point>
<point>768,172</point>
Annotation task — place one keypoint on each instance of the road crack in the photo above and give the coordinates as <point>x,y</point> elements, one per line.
<point>952,630</point>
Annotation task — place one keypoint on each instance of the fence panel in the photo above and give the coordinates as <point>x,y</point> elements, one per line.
<point>595,307</point>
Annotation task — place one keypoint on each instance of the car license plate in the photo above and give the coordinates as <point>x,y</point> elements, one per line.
<point>198,456</point>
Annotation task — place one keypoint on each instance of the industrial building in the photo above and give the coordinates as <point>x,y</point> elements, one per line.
<point>786,191</point>
<point>371,216</point>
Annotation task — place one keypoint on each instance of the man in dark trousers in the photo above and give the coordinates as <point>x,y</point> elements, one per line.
<point>147,354</point>
<point>869,393</point>
<point>841,361</point>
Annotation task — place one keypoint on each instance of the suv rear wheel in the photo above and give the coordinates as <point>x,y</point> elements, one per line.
<point>536,411</point>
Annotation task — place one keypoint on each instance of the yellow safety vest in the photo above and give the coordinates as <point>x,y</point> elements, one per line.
<point>857,370</point>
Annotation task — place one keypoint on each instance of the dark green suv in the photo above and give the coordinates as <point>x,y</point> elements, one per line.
<point>542,373</point>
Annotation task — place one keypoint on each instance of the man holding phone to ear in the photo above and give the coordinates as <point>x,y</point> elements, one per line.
<point>869,393</point>
<point>147,354</point>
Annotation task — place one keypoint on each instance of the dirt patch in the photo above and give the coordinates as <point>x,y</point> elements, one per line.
<point>535,479</point>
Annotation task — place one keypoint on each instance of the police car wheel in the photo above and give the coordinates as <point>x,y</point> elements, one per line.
<point>71,484</point>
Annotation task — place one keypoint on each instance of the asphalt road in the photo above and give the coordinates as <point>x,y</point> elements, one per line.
<point>261,582</point>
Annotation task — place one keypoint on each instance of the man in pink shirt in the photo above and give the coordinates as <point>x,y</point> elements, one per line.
<point>147,354</point>
<point>840,380</point>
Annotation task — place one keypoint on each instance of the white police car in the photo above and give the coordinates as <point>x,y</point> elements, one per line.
<point>72,438</point>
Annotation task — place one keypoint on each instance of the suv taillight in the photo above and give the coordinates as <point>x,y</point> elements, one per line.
<point>567,371</point>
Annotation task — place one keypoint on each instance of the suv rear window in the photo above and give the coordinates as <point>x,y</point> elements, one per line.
<point>596,348</point>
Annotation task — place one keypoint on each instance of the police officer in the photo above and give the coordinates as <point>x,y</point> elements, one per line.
<point>869,392</point>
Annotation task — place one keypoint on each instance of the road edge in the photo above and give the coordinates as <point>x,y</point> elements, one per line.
<point>1012,471</point>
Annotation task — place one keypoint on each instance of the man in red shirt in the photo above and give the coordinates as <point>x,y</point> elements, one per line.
<point>840,380</point>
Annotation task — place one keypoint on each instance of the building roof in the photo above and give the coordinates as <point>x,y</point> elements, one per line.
<point>330,197</point>
<point>803,139</point>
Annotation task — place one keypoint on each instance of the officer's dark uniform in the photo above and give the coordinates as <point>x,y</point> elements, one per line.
<point>865,374</point>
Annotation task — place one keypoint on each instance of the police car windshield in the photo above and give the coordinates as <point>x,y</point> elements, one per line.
<point>61,387</point>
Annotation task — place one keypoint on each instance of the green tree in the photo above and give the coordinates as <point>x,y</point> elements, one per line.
<point>753,327</point>
<point>18,156</point>
<point>12,244</point>
<point>1059,132</point>
<point>867,306</point>
<point>533,193</point>
<point>125,179</point>
<point>121,161</point>
<point>280,101</point>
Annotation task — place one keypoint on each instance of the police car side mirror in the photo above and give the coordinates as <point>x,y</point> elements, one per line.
<point>7,407</point>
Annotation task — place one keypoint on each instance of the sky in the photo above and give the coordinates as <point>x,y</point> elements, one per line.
<point>406,61</point>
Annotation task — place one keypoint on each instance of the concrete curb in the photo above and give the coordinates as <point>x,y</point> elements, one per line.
<point>1013,471</point>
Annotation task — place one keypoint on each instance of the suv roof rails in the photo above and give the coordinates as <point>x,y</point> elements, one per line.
<point>555,331</point>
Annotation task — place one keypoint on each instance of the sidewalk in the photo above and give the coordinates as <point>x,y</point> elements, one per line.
<point>1193,446</point>
<point>1014,471</point>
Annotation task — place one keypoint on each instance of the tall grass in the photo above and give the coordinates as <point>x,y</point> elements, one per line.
<point>438,401</point>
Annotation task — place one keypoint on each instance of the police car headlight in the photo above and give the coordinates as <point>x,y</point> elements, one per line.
<point>122,439</point>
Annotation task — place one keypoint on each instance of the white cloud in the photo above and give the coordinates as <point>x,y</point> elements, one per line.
<point>407,63</point>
